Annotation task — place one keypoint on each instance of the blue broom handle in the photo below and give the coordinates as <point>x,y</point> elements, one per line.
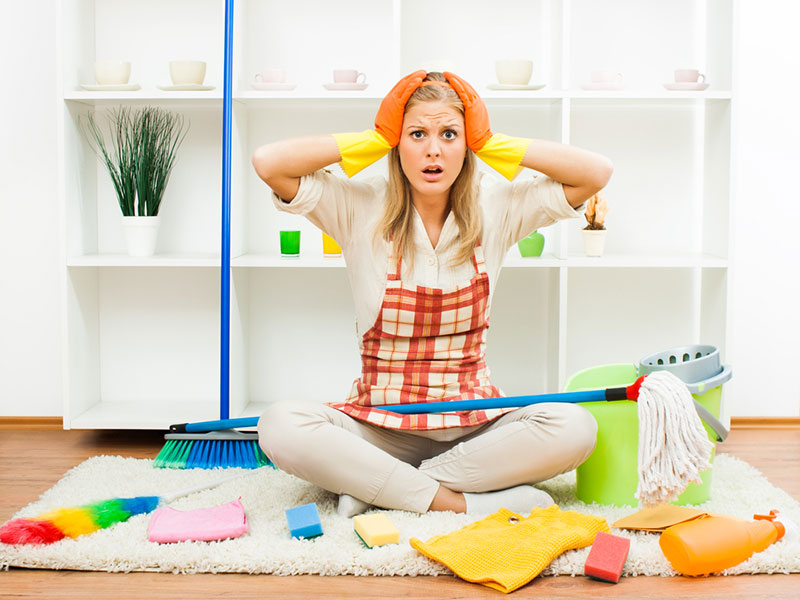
<point>432,407</point>
<point>225,267</point>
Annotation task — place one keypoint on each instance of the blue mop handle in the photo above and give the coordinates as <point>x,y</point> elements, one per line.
<point>504,402</point>
<point>433,407</point>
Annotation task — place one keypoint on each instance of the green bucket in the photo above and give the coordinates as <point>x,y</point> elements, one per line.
<point>610,474</point>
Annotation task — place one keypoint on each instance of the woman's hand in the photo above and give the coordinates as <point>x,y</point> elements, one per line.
<point>389,120</point>
<point>476,116</point>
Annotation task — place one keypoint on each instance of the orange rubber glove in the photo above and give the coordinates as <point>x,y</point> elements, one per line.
<point>501,152</point>
<point>360,149</point>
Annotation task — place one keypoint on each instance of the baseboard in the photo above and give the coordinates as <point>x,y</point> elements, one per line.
<point>52,423</point>
<point>41,423</point>
<point>765,422</point>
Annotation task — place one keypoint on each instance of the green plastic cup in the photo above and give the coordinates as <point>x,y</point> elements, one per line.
<point>611,474</point>
<point>290,243</point>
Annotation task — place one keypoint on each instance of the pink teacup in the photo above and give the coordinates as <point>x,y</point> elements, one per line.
<point>689,76</point>
<point>600,76</point>
<point>271,76</point>
<point>348,76</point>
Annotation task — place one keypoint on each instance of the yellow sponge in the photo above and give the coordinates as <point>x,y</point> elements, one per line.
<point>375,530</point>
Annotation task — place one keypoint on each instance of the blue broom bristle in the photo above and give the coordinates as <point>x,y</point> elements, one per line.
<point>210,454</point>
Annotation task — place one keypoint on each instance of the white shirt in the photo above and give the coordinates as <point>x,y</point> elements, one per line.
<point>350,210</point>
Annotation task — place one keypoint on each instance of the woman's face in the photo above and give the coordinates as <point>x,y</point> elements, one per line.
<point>432,147</point>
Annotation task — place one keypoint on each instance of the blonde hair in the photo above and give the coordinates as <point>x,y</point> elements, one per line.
<point>397,221</point>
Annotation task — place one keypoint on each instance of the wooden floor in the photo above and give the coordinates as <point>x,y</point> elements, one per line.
<point>32,461</point>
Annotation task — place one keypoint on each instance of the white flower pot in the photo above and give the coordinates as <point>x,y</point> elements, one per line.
<point>594,240</point>
<point>141,234</point>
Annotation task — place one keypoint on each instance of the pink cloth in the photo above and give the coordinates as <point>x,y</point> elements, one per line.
<point>203,524</point>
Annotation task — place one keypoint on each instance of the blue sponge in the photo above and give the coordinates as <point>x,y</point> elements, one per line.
<point>304,521</point>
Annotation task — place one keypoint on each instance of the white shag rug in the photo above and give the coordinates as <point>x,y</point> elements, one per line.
<point>738,490</point>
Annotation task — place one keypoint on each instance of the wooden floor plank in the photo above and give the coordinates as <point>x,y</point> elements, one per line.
<point>33,461</point>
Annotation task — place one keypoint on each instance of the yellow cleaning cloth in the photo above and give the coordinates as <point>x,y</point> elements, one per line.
<point>505,550</point>
<point>504,154</point>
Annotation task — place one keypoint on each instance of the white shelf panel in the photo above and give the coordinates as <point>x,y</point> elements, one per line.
<point>648,95</point>
<point>157,260</point>
<point>678,261</point>
<point>269,261</point>
<point>146,95</point>
<point>144,415</point>
<point>490,96</point>
<point>514,259</point>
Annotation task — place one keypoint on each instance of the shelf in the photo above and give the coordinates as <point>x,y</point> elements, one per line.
<point>212,97</point>
<point>143,415</point>
<point>158,260</point>
<point>676,261</point>
<point>265,260</point>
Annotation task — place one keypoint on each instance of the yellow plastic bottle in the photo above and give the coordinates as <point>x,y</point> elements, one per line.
<point>713,544</point>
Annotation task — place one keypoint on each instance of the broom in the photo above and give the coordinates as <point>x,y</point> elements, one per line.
<point>76,521</point>
<point>222,448</point>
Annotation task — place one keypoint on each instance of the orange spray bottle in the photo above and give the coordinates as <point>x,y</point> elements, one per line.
<point>713,544</point>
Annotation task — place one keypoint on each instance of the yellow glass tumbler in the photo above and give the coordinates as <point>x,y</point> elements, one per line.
<point>329,246</point>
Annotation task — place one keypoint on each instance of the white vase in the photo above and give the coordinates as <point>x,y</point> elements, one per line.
<point>594,240</point>
<point>141,234</point>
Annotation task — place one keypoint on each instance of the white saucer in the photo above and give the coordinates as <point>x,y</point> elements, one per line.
<point>509,86</point>
<point>187,87</point>
<point>264,85</point>
<point>345,86</point>
<point>127,87</point>
<point>603,86</point>
<point>686,86</point>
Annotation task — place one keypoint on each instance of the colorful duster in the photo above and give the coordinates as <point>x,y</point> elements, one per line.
<point>76,521</point>
<point>79,520</point>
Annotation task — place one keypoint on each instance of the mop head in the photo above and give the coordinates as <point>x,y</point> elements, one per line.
<point>673,444</point>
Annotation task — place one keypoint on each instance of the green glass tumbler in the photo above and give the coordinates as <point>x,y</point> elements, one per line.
<point>290,243</point>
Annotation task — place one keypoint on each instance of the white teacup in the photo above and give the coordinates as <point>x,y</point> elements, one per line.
<point>603,76</point>
<point>513,71</point>
<point>187,72</point>
<point>271,76</point>
<point>112,72</point>
<point>689,76</point>
<point>348,76</point>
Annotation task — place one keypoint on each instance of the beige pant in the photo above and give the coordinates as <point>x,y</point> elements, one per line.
<point>403,469</point>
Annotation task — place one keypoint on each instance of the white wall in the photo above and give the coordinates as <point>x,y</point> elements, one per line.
<point>764,291</point>
<point>30,336</point>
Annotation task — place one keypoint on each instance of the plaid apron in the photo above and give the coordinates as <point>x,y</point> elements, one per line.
<point>427,345</point>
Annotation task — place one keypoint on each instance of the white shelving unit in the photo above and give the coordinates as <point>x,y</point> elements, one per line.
<point>141,345</point>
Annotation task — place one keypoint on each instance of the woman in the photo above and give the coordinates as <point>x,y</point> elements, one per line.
<point>424,251</point>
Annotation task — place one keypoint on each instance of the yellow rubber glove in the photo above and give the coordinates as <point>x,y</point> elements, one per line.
<point>360,149</point>
<point>501,152</point>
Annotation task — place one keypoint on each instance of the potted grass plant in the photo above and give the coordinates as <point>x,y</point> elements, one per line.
<point>594,234</point>
<point>139,156</point>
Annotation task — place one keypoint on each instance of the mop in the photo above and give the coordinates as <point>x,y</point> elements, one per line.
<point>673,444</point>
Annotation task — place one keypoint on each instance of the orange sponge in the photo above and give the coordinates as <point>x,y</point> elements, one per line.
<point>607,557</point>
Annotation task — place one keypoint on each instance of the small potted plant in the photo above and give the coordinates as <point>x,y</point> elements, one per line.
<point>139,158</point>
<point>594,234</point>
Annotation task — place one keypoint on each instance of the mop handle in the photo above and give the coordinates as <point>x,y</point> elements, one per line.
<point>623,393</point>
<point>506,402</point>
